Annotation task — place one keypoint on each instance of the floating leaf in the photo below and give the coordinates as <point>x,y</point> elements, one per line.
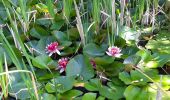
<point>38,32</point>
<point>114,68</point>
<point>93,50</point>
<point>144,54</point>
<point>161,59</point>
<point>129,34</point>
<point>105,60</point>
<point>42,61</point>
<point>64,83</point>
<point>133,60</point>
<point>70,94</point>
<point>73,34</point>
<point>101,98</point>
<point>89,96</point>
<point>160,46</point>
<point>18,83</point>
<point>47,96</point>
<point>125,77</point>
<point>132,92</point>
<point>118,91</point>
<point>80,65</point>
<point>61,36</point>
<point>50,87</point>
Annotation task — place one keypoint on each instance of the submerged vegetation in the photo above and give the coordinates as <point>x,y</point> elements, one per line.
<point>85,49</point>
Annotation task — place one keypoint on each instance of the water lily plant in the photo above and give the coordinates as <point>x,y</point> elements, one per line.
<point>114,51</point>
<point>62,63</point>
<point>53,48</point>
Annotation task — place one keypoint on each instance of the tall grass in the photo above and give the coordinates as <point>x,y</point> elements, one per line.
<point>23,8</point>
<point>3,79</point>
<point>10,51</point>
<point>79,24</point>
<point>17,36</point>
<point>16,62</point>
<point>50,7</point>
<point>122,8</point>
<point>96,13</point>
<point>67,8</point>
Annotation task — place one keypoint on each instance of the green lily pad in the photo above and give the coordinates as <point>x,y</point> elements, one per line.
<point>132,60</point>
<point>64,83</point>
<point>132,92</point>
<point>161,43</point>
<point>129,34</point>
<point>38,32</point>
<point>147,92</point>
<point>61,36</point>
<point>45,22</point>
<point>114,68</point>
<point>80,65</point>
<point>137,78</point>
<point>73,34</point>
<point>161,59</point>
<point>70,94</point>
<point>19,84</point>
<point>42,62</point>
<point>118,91</point>
<point>89,96</point>
<point>106,92</point>
<point>161,46</point>
<point>125,77</point>
<point>93,50</point>
<point>101,98</point>
<point>105,60</point>
<point>144,54</point>
<point>50,87</point>
<point>91,86</point>
<point>47,96</point>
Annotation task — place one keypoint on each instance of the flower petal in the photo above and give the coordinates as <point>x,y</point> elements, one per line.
<point>58,52</point>
<point>61,70</point>
<point>108,53</point>
<point>110,48</point>
<point>118,55</point>
<point>50,54</point>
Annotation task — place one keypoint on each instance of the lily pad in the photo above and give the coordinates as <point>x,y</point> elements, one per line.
<point>129,34</point>
<point>64,83</point>
<point>47,96</point>
<point>161,43</point>
<point>93,50</point>
<point>105,60</point>
<point>70,94</point>
<point>42,62</point>
<point>132,92</point>
<point>161,46</point>
<point>80,66</point>
<point>89,96</point>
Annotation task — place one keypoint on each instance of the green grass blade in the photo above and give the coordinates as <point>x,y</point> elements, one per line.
<point>50,7</point>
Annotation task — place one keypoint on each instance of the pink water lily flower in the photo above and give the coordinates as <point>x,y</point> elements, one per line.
<point>62,63</point>
<point>53,48</point>
<point>114,51</point>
